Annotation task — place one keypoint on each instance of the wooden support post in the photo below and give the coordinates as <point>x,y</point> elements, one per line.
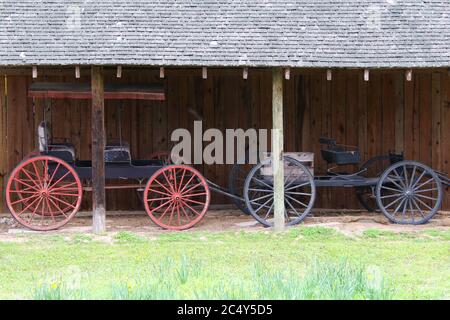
<point>204,73</point>
<point>366,75</point>
<point>329,75</point>
<point>161,72</point>
<point>287,73</point>
<point>77,72</point>
<point>408,75</point>
<point>245,73</point>
<point>277,148</point>
<point>34,72</point>
<point>98,149</point>
<point>119,71</point>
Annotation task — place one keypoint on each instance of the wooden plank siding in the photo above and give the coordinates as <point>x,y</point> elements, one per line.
<point>383,114</point>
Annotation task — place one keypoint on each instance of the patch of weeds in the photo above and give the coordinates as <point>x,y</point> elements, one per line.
<point>375,233</point>
<point>178,236</point>
<point>440,234</point>
<point>57,291</point>
<point>129,237</point>
<point>82,238</point>
<point>314,233</point>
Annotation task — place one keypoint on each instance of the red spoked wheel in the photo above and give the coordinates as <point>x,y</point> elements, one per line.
<point>43,193</point>
<point>176,197</point>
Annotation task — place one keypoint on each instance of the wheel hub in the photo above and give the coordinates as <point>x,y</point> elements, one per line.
<point>409,193</point>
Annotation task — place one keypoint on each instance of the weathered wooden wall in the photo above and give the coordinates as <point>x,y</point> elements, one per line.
<point>385,113</point>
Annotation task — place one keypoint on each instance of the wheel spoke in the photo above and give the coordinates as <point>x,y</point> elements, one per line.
<point>261,190</point>
<point>191,208</point>
<point>412,177</point>
<point>181,180</point>
<point>160,192</point>
<point>263,205</point>
<point>426,197</point>
<point>59,180</point>
<point>29,205</point>
<point>297,186</point>
<point>185,186</point>
<point>164,187</point>
<point>269,211</point>
<point>421,185</point>
<point>194,201</point>
<point>391,196</point>
<point>192,188</point>
<point>27,173</point>
<point>171,186</point>
<point>298,201</point>
<point>391,189</point>
<point>399,206</point>
<point>57,207</point>
<point>263,197</point>
<point>262,182</point>
<point>25,184</point>
<point>37,174</point>
<point>418,179</point>
<point>299,193</point>
<point>393,202</point>
<point>171,203</point>
<point>25,199</point>
<point>418,207</point>
<point>423,203</point>
<point>395,183</point>
<point>63,202</point>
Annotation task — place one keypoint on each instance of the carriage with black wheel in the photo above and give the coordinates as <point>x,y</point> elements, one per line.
<point>44,192</point>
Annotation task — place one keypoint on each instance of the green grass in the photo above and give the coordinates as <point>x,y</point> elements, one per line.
<point>302,263</point>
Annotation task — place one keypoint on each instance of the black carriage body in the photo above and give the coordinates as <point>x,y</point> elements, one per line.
<point>116,167</point>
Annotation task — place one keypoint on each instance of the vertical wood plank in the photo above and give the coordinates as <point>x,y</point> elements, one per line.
<point>399,105</point>
<point>445,138</point>
<point>3,141</point>
<point>98,150</point>
<point>436,120</point>
<point>277,149</point>
<point>425,119</point>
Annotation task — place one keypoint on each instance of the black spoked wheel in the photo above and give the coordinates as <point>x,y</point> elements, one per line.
<point>299,192</point>
<point>409,192</point>
<point>236,181</point>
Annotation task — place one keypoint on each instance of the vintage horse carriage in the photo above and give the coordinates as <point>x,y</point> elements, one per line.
<point>44,192</point>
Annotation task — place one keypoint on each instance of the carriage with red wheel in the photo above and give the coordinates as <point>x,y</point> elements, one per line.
<point>44,192</point>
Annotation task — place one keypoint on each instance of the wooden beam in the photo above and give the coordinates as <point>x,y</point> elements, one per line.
<point>98,150</point>
<point>277,148</point>
<point>83,91</point>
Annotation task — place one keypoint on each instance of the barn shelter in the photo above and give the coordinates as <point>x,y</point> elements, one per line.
<point>373,74</point>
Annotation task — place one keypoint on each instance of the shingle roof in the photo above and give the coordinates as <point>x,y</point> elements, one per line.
<point>296,33</point>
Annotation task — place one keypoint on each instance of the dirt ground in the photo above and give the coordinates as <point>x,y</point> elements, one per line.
<point>351,223</point>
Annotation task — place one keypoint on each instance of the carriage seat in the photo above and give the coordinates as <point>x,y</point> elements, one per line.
<point>117,152</point>
<point>339,154</point>
<point>65,151</point>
